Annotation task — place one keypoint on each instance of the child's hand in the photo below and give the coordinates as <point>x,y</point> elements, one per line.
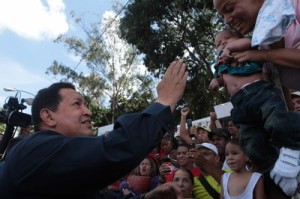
<point>226,56</point>
<point>214,85</point>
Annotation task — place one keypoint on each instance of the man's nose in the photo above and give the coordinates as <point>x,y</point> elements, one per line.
<point>87,111</point>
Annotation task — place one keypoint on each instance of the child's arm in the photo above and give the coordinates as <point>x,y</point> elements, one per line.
<point>239,45</point>
<point>222,189</point>
<point>216,83</point>
<point>242,44</point>
<point>259,190</point>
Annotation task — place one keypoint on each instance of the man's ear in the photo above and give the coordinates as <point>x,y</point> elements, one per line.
<point>47,117</point>
<point>217,158</point>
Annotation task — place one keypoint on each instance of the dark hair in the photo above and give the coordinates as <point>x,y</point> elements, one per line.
<point>232,31</point>
<point>47,98</point>
<point>184,144</point>
<point>236,142</point>
<point>190,174</point>
<point>220,132</point>
<point>174,142</point>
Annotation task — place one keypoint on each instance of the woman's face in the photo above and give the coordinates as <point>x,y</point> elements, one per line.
<point>240,14</point>
<point>184,183</point>
<point>145,167</point>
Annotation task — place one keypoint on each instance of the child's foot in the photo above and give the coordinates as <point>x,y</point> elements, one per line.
<point>288,185</point>
<point>287,164</point>
<point>286,170</point>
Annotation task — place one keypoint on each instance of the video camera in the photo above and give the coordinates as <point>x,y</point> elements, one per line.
<point>12,115</point>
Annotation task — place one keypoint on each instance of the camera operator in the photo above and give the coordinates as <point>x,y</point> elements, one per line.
<point>24,132</point>
<point>12,116</point>
<point>62,160</point>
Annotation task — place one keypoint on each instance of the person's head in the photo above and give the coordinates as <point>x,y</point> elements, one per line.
<point>62,109</point>
<point>209,153</point>
<point>232,129</point>
<point>184,180</point>
<point>219,138</point>
<point>239,14</point>
<point>148,167</point>
<point>182,156</point>
<point>296,100</point>
<point>168,144</point>
<point>225,37</point>
<point>235,156</point>
<point>202,133</point>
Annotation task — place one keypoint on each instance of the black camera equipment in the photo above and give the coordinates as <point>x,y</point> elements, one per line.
<point>11,115</point>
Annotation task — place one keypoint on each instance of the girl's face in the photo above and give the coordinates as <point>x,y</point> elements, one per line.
<point>184,183</point>
<point>145,168</point>
<point>235,157</point>
<point>166,146</point>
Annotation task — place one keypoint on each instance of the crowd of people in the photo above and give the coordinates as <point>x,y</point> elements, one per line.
<point>255,155</point>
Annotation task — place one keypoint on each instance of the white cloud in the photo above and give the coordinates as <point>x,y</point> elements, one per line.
<point>16,76</point>
<point>32,19</point>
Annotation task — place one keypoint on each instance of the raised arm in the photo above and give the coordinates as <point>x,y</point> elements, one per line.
<point>183,131</point>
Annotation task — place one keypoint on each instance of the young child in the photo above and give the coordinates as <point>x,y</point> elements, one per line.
<point>240,183</point>
<point>260,112</point>
<point>229,73</point>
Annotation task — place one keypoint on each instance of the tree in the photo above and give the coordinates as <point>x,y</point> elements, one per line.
<point>165,30</point>
<point>113,77</point>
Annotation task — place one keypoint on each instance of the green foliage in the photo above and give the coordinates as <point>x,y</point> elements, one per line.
<point>111,85</point>
<point>166,30</point>
<point>2,128</point>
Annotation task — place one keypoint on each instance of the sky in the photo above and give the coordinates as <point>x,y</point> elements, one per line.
<point>27,31</point>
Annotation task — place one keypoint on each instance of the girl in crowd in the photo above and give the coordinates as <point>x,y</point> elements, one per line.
<point>240,183</point>
<point>167,150</point>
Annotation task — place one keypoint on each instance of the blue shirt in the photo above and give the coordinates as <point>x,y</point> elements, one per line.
<point>50,165</point>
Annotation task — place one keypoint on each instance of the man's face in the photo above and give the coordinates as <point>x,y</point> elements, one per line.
<point>202,135</point>
<point>208,156</point>
<point>72,117</point>
<point>233,130</point>
<point>220,143</point>
<point>182,156</point>
<point>296,103</point>
<point>240,14</point>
